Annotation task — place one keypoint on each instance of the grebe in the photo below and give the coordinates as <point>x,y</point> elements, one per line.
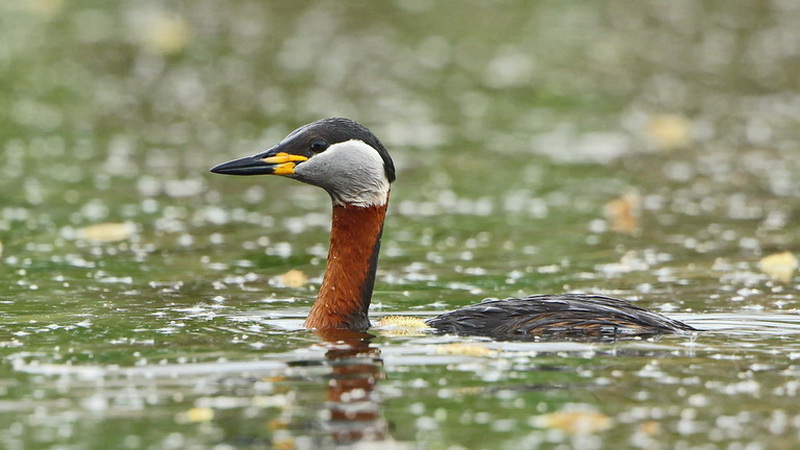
<point>350,163</point>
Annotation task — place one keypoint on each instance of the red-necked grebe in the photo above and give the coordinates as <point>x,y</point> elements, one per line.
<point>350,163</point>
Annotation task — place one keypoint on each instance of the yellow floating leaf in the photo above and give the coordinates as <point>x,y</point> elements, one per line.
<point>277,424</point>
<point>669,131</point>
<point>650,427</point>
<point>284,443</point>
<point>275,378</point>
<point>623,213</point>
<point>294,279</point>
<point>402,325</point>
<point>107,232</point>
<point>574,422</point>
<point>200,414</point>
<point>779,266</point>
<point>165,33</point>
<point>1,249</point>
<point>464,349</point>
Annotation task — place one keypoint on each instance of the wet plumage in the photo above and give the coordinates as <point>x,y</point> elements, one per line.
<point>567,315</point>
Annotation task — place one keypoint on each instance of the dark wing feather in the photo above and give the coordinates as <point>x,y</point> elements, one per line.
<point>561,315</point>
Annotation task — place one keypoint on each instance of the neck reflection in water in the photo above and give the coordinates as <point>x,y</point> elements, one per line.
<point>352,411</point>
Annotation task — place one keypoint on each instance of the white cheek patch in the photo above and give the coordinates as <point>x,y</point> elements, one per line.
<point>352,172</point>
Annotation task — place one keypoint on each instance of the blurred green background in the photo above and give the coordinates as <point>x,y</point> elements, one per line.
<point>647,150</point>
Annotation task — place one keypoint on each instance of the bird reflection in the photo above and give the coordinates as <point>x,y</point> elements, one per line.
<point>352,411</point>
<point>356,367</point>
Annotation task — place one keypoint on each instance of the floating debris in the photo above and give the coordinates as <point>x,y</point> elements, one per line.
<point>165,33</point>
<point>651,427</point>
<point>402,325</point>
<point>464,349</point>
<point>623,213</point>
<point>283,441</point>
<point>294,279</point>
<point>779,266</point>
<point>277,424</point>
<point>199,414</point>
<point>669,131</point>
<point>573,422</point>
<point>107,232</point>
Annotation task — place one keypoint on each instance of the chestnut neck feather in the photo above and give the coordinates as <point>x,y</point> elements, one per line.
<point>346,291</point>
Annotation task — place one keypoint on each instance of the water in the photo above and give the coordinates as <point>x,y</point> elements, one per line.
<point>642,151</point>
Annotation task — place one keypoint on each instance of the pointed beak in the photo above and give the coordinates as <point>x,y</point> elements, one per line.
<point>273,161</point>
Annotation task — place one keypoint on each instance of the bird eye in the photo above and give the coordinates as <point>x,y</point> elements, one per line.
<point>318,145</point>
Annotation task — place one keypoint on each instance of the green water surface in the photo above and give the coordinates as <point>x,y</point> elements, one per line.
<point>511,123</point>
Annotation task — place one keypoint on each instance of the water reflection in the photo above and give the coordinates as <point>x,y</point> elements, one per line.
<point>352,410</point>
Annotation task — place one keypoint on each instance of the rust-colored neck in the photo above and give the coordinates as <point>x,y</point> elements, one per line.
<point>346,291</point>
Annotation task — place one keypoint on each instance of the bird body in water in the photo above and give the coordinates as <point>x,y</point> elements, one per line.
<point>350,163</point>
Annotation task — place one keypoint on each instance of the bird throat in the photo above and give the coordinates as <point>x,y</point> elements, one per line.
<point>344,297</point>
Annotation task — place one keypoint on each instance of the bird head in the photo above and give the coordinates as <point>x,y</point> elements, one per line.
<point>339,155</point>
